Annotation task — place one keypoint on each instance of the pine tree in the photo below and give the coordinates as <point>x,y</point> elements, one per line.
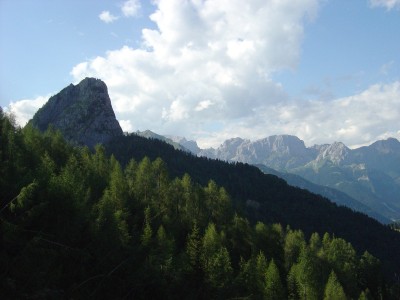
<point>192,203</point>
<point>294,242</point>
<point>240,240</point>
<point>144,181</point>
<point>163,250</point>
<point>292,284</point>
<point>342,258</point>
<point>217,202</point>
<point>261,268</point>
<point>130,174</point>
<point>147,231</point>
<point>210,244</point>
<point>111,227</point>
<point>315,243</point>
<point>333,289</point>
<point>193,247</point>
<point>369,275</point>
<point>273,286</point>
<point>219,270</point>
<point>307,275</point>
<point>117,184</point>
<point>365,295</point>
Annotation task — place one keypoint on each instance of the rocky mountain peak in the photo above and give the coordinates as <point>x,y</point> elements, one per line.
<point>188,144</point>
<point>230,148</point>
<point>284,144</point>
<point>83,113</point>
<point>336,153</point>
<point>278,151</point>
<point>390,145</point>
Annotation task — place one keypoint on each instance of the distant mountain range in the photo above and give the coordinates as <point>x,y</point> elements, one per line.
<point>370,174</point>
<point>366,179</point>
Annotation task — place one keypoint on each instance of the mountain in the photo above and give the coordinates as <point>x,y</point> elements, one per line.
<point>187,144</point>
<point>75,224</point>
<point>260,197</point>
<point>332,194</point>
<point>179,143</point>
<point>370,174</point>
<point>82,112</point>
<point>267,198</point>
<point>148,134</point>
<point>279,152</point>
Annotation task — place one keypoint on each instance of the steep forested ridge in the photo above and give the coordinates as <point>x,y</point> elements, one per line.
<point>269,199</point>
<point>81,224</point>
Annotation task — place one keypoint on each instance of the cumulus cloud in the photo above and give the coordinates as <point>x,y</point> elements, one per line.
<point>206,72</point>
<point>23,110</point>
<point>126,125</point>
<point>355,120</point>
<point>107,17</point>
<point>130,8</point>
<point>388,4</point>
<point>206,63</point>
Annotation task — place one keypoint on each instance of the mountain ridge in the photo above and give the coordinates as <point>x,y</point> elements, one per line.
<point>369,175</point>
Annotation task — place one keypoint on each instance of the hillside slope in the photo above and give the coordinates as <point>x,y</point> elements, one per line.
<point>268,198</point>
<point>370,174</point>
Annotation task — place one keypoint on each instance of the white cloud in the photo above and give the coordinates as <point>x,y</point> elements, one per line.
<point>207,62</point>
<point>25,109</point>
<point>203,105</point>
<point>356,120</point>
<point>107,17</point>
<point>131,8</point>
<point>206,73</point>
<point>126,125</point>
<point>388,4</point>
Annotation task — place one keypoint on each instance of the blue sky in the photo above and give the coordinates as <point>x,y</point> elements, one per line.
<point>211,70</point>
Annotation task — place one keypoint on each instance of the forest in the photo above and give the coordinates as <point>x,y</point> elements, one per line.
<point>78,223</point>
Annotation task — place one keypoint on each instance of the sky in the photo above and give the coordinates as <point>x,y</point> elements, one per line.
<point>323,70</point>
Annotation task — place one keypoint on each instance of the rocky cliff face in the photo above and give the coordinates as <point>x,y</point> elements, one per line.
<point>369,174</point>
<point>337,153</point>
<point>279,151</point>
<point>82,112</point>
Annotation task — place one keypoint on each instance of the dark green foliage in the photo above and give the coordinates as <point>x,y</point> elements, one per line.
<point>76,224</point>
<point>273,286</point>
<point>333,289</point>
<point>267,198</point>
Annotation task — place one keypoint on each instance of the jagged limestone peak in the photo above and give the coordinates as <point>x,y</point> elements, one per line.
<point>83,113</point>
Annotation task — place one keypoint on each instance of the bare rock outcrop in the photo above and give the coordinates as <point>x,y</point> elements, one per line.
<point>82,112</point>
